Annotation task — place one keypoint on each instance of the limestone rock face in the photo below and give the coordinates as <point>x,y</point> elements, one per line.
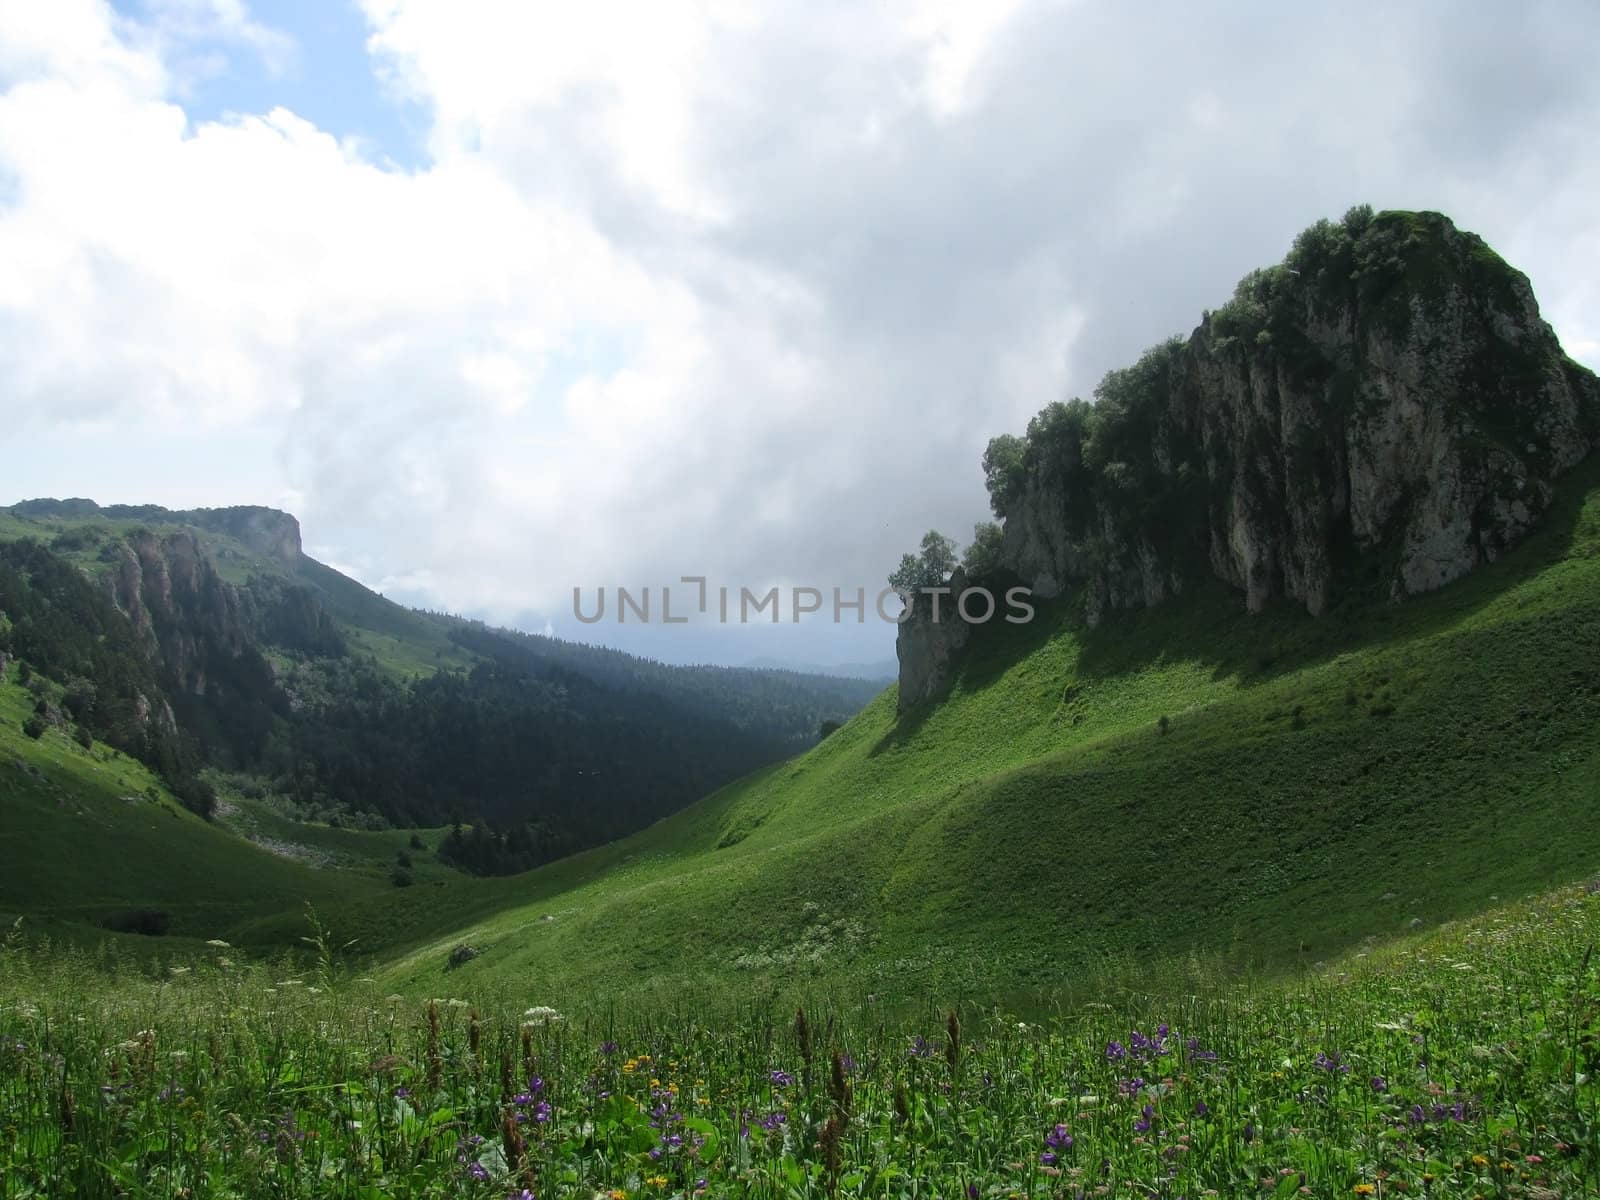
<point>185,613</point>
<point>925,646</point>
<point>193,622</point>
<point>1402,432</point>
<point>1378,416</point>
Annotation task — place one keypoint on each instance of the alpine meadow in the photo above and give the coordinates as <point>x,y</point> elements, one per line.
<point>1227,821</point>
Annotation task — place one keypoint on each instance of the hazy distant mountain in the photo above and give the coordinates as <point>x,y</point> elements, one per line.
<point>884,670</point>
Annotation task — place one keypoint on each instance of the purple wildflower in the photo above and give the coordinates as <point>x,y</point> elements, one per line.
<point>782,1078</point>
<point>1197,1053</point>
<point>478,1171</point>
<point>1115,1051</point>
<point>1058,1138</point>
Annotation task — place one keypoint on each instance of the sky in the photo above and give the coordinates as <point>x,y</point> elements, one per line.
<point>504,298</point>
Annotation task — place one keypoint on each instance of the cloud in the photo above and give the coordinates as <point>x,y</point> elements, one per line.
<point>195,34</point>
<point>707,288</point>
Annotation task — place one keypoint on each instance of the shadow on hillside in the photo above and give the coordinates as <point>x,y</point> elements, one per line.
<point>1210,626</point>
<point>991,651</point>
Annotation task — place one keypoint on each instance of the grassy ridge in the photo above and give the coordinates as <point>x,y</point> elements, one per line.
<point>1319,781</point>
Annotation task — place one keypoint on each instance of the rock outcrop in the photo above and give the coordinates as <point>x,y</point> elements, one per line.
<point>926,647</point>
<point>192,620</point>
<point>1379,415</point>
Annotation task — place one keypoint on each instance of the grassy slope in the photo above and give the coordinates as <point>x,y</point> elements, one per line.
<point>128,845</point>
<point>90,835</point>
<point>1322,781</point>
<point>212,883</point>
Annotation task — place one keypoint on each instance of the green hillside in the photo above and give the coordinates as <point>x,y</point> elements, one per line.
<point>1179,781</point>
<point>300,707</point>
<point>95,847</point>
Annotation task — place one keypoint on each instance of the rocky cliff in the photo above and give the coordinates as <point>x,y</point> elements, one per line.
<point>1378,415</point>
<point>927,647</point>
<point>192,620</point>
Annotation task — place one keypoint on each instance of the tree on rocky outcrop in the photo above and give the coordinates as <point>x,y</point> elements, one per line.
<point>929,569</point>
<point>985,557</point>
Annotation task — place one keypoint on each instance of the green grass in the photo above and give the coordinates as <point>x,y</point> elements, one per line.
<point>1321,781</point>
<point>406,642</point>
<point>91,835</point>
<point>1461,1062</point>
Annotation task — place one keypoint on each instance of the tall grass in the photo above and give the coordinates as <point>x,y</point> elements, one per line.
<point>1457,1063</point>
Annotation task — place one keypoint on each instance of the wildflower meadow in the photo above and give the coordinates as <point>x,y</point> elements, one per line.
<point>1458,1062</point>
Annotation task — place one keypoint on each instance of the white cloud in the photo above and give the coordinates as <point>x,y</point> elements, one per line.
<point>174,26</point>
<point>706,288</point>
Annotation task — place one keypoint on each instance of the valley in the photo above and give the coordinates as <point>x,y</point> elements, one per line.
<point>1260,860</point>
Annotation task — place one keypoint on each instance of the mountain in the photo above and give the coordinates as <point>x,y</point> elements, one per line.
<point>882,671</point>
<point>1373,418</point>
<point>1322,728</point>
<point>207,646</point>
<point>1359,695</point>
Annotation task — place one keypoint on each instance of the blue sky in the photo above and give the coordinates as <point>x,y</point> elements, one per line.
<point>327,76</point>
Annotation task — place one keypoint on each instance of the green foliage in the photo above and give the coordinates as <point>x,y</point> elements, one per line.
<point>930,568</point>
<point>35,726</point>
<point>1120,462</point>
<point>1464,1061</point>
<point>1004,471</point>
<point>984,558</point>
